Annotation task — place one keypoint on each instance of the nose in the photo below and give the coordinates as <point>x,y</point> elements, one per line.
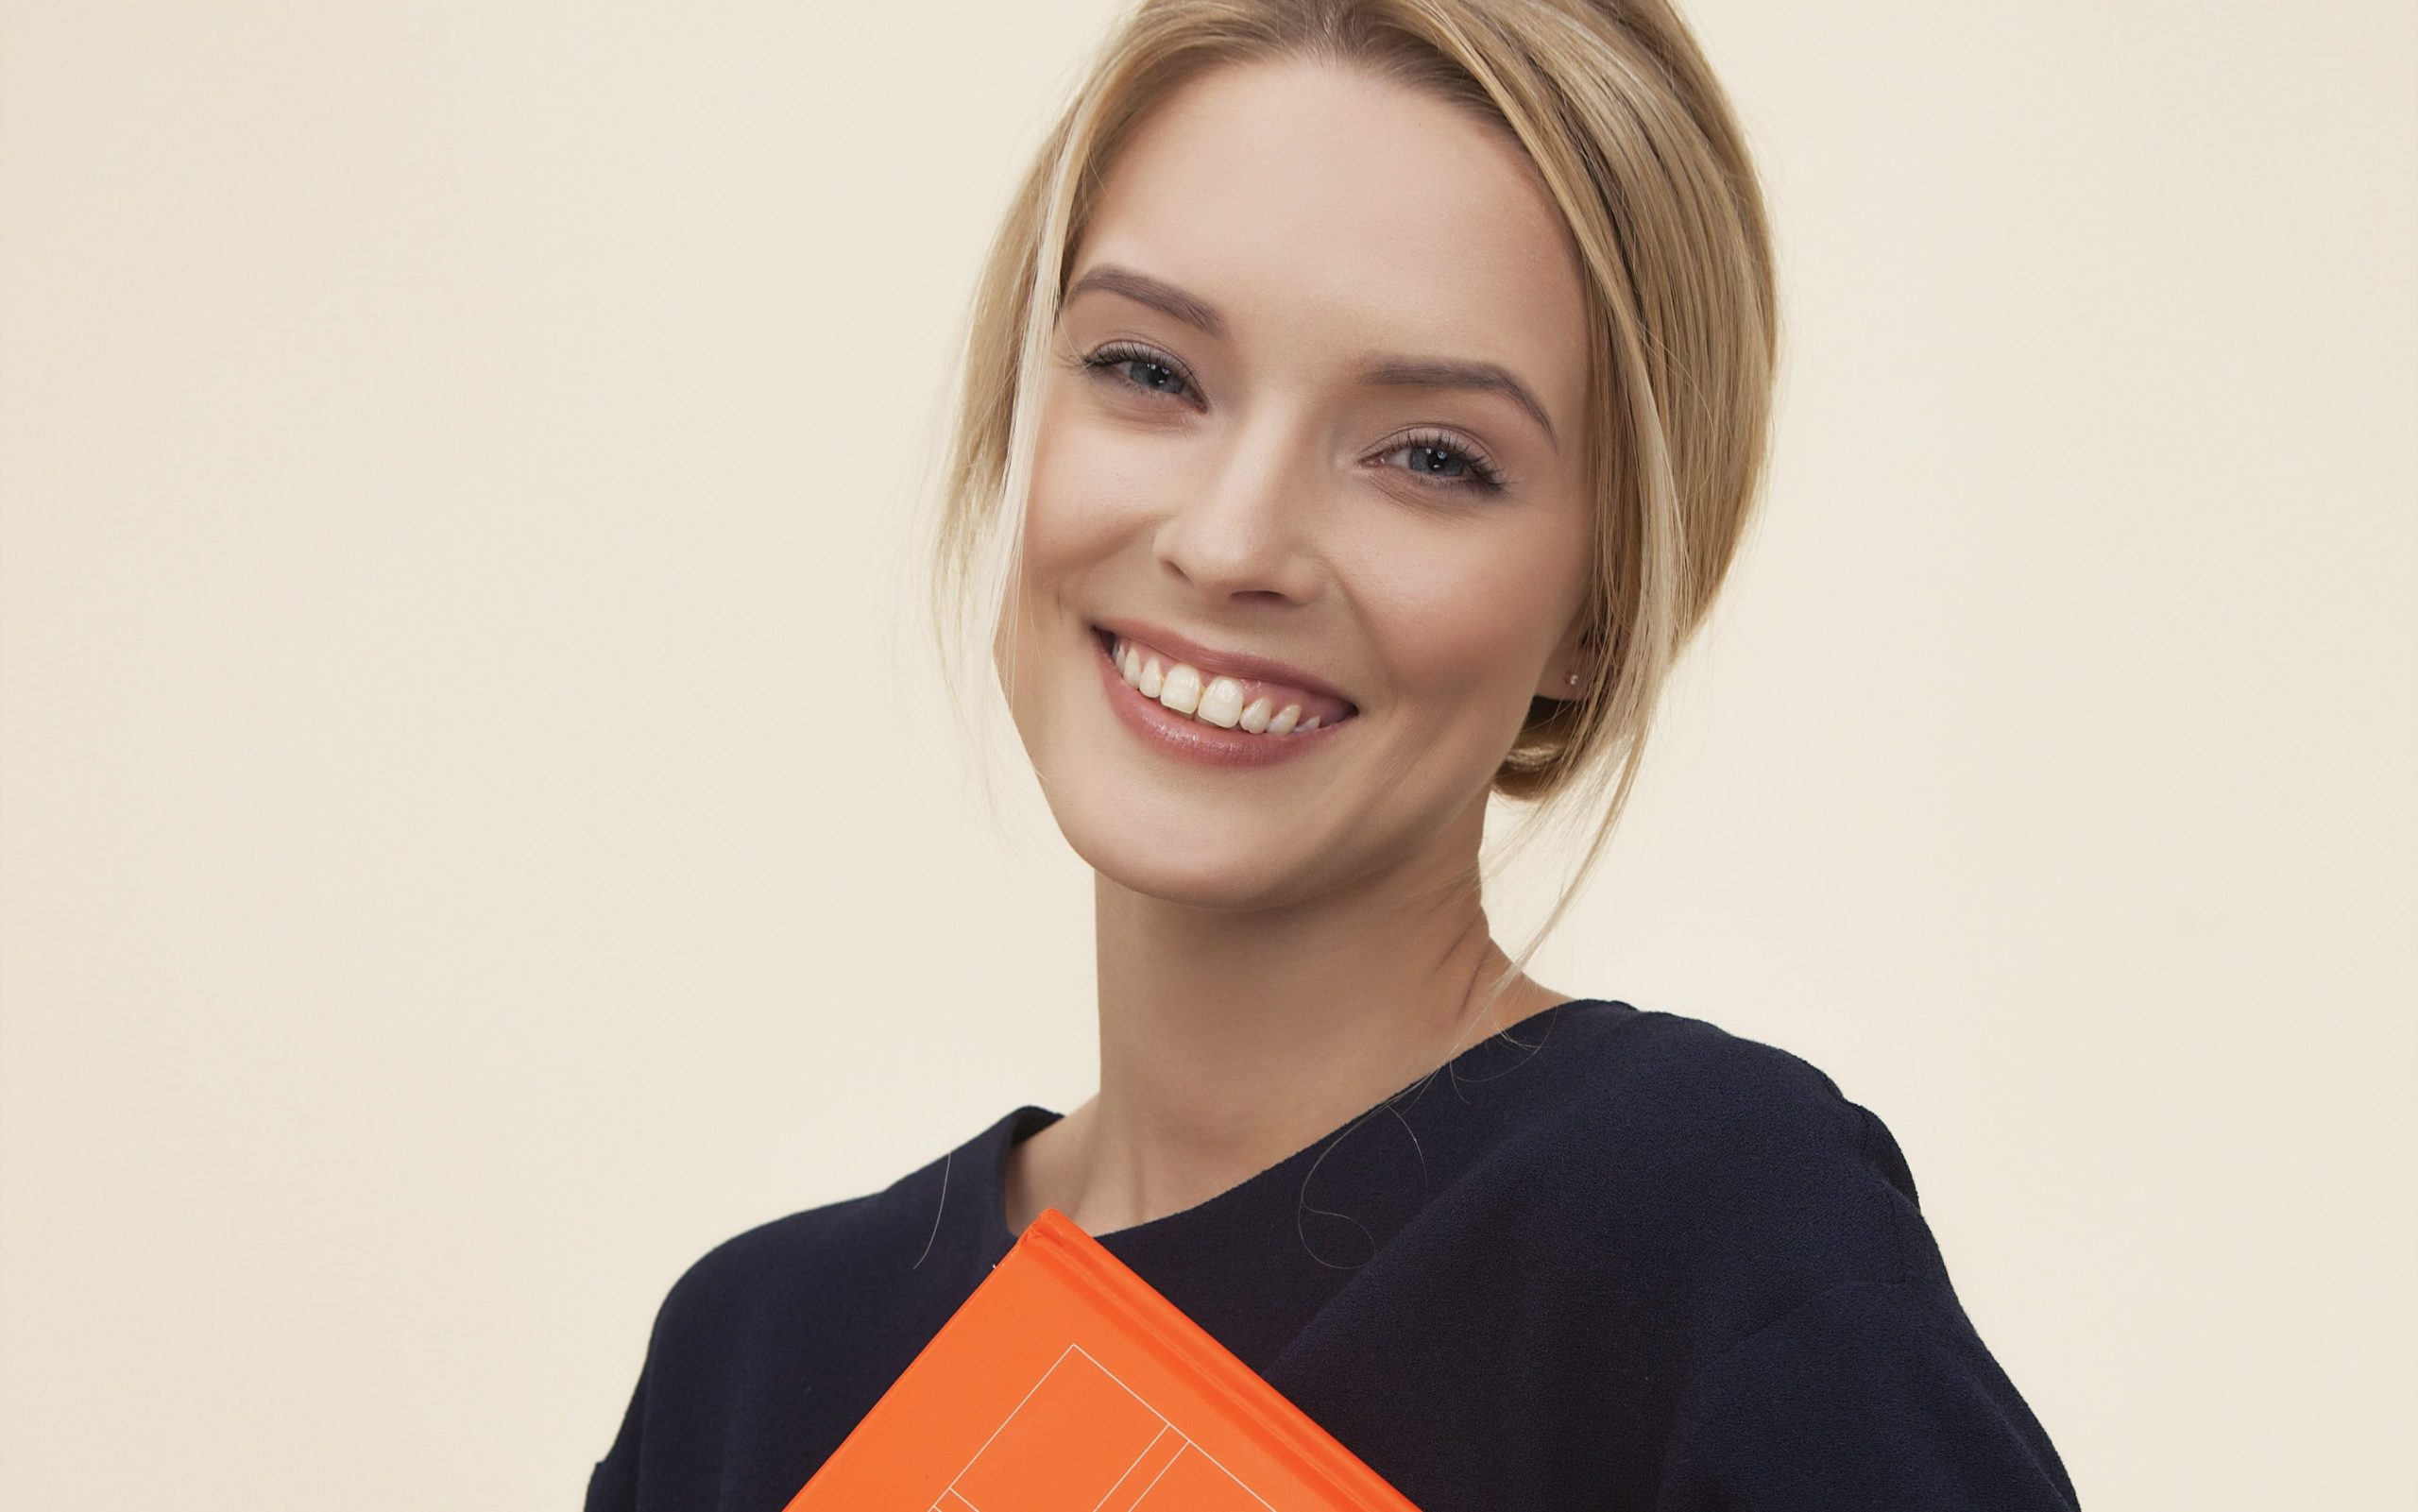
<point>1245,527</point>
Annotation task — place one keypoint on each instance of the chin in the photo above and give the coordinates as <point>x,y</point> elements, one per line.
<point>1240,875</point>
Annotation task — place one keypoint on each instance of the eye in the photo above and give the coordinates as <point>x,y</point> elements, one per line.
<point>1432,452</point>
<point>1112,361</point>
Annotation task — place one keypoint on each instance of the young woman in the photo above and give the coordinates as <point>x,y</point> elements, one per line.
<point>1364,400</point>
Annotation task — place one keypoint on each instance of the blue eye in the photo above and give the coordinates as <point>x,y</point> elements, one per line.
<point>1434,451</point>
<point>1430,447</point>
<point>1112,359</point>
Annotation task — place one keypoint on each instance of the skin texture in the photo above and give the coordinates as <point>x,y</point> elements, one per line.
<point>1279,948</point>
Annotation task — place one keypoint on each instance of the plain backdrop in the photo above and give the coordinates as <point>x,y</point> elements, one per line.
<point>481,826</point>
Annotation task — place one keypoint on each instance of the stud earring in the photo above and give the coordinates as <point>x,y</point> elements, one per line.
<point>1573,679</point>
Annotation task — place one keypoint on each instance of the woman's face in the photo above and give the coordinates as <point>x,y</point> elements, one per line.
<point>1229,476</point>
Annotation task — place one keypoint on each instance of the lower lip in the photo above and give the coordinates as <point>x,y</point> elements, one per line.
<point>1196,740</point>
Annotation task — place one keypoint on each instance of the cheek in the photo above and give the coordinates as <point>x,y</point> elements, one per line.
<point>1086,504</point>
<point>1464,663</point>
<point>1091,487</point>
<point>1466,623</point>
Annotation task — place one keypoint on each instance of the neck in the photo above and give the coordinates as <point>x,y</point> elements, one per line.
<point>1230,1038</point>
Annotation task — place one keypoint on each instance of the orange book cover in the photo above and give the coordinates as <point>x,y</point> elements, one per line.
<point>1066,1381</point>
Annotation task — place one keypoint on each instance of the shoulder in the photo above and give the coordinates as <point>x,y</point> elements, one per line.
<point>1672,1134</point>
<point>1761,1232</point>
<point>717,1295</point>
<point>794,1268</point>
<point>1689,1089</point>
<point>833,1300</point>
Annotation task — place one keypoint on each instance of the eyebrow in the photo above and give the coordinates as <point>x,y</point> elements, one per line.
<point>1384,372</point>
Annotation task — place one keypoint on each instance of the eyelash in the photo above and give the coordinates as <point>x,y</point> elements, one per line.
<point>1484,476</point>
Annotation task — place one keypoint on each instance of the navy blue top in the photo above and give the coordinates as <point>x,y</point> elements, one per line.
<point>1615,1260</point>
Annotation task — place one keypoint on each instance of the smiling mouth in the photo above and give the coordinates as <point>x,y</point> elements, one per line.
<point>1254,705</point>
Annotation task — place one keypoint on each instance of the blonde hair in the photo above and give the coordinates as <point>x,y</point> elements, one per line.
<point>1635,139</point>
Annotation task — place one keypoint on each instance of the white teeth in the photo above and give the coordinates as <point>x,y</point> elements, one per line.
<point>1180,689</point>
<point>1183,690</point>
<point>1221,703</point>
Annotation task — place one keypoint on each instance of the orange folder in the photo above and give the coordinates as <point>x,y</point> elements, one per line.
<point>1067,1383</point>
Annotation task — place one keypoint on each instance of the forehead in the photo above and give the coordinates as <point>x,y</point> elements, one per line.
<point>1324,209</point>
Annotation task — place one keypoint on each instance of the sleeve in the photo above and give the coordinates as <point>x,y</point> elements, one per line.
<point>613,1482</point>
<point>1876,1395</point>
<point>671,1429</point>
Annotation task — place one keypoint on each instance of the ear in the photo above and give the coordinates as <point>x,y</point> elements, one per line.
<point>1571,655</point>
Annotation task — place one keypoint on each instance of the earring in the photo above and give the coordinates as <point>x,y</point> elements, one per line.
<point>1573,679</point>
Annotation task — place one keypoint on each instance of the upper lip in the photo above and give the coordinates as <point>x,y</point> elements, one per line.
<point>1225,663</point>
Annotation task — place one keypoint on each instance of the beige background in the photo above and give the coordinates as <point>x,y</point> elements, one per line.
<point>480,827</point>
